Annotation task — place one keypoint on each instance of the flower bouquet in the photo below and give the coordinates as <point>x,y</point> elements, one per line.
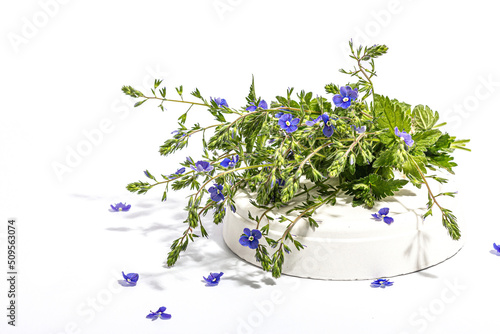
<point>353,143</point>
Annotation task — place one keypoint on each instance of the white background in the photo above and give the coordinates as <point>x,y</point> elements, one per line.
<point>63,65</point>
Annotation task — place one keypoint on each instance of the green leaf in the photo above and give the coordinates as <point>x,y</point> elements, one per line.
<point>179,90</point>
<point>157,83</point>
<point>424,118</point>
<point>372,187</point>
<point>424,140</point>
<point>382,188</point>
<point>391,157</point>
<point>409,167</point>
<point>139,103</point>
<point>251,94</point>
<point>391,114</point>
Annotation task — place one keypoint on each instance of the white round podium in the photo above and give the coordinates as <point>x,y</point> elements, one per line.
<point>349,243</point>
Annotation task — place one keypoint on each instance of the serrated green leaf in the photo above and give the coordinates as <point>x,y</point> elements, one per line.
<point>391,157</point>
<point>424,118</point>
<point>424,140</point>
<point>391,114</point>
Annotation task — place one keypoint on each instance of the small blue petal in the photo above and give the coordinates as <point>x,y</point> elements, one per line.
<point>256,234</point>
<point>165,316</point>
<point>496,247</point>
<point>384,211</point>
<point>328,131</point>
<point>244,241</point>
<point>254,244</point>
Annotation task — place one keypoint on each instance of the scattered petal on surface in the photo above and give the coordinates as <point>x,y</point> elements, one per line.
<point>131,278</point>
<point>159,314</point>
<point>213,279</point>
<point>382,215</point>
<point>120,207</point>
<point>381,283</point>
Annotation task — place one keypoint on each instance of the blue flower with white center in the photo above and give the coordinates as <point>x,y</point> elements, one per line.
<point>202,166</point>
<point>287,123</point>
<point>131,278</point>
<point>220,102</point>
<point>253,107</point>
<point>346,96</point>
<point>216,192</point>
<point>250,238</point>
<point>230,162</point>
<point>381,283</point>
<point>496,247</point>
<point>120,207</point>
<point>180,171</point>
<point>159,314</point>
<point>406,137</point>
<point>382,215</point>
<point>213,279</point>
<point>328,128</point>
<point>360,130</point>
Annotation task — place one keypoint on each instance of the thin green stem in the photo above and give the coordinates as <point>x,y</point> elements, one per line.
<point>425,182</point>
<point>179,101</point>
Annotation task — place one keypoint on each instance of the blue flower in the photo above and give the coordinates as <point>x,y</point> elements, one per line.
<point>262,104</point>
<point>346,96</point>
<point>287,123</point>
<point>202,166</point>
<point>497,247</point>
<point>250,238</point>
<point>230,162</point>
<point>131,278</point>
<point>216,192</point>
<point>213,279</point>
<point>382,214</point>
<point>121,207</point>
<point>159,314</point>
<point>381,283</point>
<point>180,171</point>
<point>406,137</point>
<point>328,127</point>
<point>360,129</point>
<point>220,102</point>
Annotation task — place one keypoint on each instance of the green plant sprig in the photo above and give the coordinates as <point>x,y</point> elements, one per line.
<point>366,143</point>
